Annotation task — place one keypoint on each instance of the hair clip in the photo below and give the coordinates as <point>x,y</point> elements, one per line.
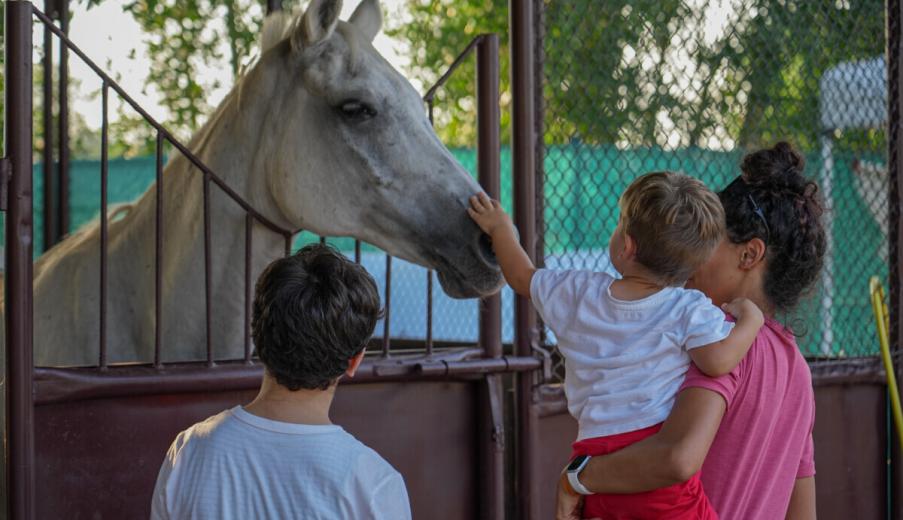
<point>758,211</point>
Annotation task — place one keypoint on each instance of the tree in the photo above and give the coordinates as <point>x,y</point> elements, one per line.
<point>182,35</point>
<point>437,31</point>
<point>660,73</point>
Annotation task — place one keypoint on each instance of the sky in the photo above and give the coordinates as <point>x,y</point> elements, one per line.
<point>109,36</point>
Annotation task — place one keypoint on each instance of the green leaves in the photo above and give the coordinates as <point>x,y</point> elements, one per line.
<point>183,36</point>
<point>437,32</point>
<point>656,72</point>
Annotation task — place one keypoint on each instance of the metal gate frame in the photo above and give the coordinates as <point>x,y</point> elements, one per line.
<point>29,386</point>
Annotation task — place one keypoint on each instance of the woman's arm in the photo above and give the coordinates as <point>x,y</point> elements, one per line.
<point>802,501</point>
<point>671,456</point>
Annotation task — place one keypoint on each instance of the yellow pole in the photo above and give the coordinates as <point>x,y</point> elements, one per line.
<point>882,323</point>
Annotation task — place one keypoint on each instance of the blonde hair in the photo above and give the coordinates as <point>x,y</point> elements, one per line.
<point>676,222</point>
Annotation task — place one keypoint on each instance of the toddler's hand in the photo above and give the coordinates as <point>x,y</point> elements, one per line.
<point>744,309</point>
<point>488,214</point>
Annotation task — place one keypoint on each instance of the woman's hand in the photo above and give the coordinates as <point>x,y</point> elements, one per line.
<point>569,504</point>
<point>489,215</point>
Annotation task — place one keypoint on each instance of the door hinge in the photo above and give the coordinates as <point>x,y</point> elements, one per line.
<point>5,169</point>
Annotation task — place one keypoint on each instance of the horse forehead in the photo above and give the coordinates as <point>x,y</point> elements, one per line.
<point>348,56</point>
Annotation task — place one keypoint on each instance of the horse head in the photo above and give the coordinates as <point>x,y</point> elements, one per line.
<point>358,130</point>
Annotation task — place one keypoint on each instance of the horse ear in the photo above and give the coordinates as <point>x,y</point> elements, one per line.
<point>274,29</point>
<point>317,23</point>
<point>367,18</point>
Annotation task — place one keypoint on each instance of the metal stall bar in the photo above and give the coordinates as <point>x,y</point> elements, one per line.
<point>386,320</point>
<point>158,253</point>
<point>208,294</point>
<point>429,313</point>
<point>104,226</point>
<point>524,170</point>
<point>249,291</point>
<point>51,187</point>
<point>63,182</point>
<point>488,165</point>
<point>895,201</point>
<point>19,243</point>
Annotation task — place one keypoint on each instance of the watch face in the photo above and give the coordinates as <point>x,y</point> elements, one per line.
<point>577,463</point>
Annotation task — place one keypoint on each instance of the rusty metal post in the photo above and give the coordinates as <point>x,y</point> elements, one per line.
<point>51,231</point>
<point>104,224</point>
<point>488,165</point>
<point>895,200</point>
<point>158,251</point>
<point>539,152</point>
<point>19,243</point>
<point>63,180</point>
<point>524,171</point>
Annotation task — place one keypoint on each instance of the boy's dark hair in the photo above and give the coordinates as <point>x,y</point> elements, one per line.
<point>313,311</point>
<point>773,200</point>
<point>676,222</point>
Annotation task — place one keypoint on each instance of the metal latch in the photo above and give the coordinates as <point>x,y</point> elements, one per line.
<point>5,169</point>
<point>546,358</point>
<point>496,409</point>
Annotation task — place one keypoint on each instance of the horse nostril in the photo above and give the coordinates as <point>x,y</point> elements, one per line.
<point>484,247</point>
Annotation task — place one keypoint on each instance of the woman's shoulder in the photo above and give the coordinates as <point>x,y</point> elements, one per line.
<point>776,348</point>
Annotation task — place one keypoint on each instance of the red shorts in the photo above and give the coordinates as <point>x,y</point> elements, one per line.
<point>685,501</point>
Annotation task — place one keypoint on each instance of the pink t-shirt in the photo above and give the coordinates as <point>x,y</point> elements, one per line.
<point>764,442</point>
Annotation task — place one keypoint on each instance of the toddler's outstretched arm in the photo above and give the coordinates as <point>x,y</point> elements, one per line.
<point>515,264</point>
<point>718,359</point>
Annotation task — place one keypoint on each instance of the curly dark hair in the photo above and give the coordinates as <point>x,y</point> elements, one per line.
<point>773,200</point>
<point>313,311</point>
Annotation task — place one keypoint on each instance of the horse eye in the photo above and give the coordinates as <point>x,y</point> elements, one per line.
<point>357,110</point>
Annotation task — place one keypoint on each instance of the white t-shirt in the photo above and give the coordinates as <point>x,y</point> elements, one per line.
<point>236,465</point>
<point>624,360</point>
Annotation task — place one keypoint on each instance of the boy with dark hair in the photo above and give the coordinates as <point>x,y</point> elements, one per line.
<point>280,456</point>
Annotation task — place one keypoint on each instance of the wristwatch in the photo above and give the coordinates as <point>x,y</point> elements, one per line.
<point>573,470</point>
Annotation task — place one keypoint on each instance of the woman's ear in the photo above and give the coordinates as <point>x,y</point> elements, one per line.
<point>752,253</point>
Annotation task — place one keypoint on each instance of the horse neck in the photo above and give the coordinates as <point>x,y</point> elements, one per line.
<point>232,145</point>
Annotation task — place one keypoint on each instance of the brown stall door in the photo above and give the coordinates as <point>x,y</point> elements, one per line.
<point>99,458</point>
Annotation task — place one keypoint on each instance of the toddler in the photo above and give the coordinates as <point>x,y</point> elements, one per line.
<point>627,342</point>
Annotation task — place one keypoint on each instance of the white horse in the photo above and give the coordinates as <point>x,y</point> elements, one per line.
<point>321,134</point>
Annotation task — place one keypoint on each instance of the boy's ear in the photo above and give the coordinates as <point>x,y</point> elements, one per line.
<point>354,363</point>
<point>629,247</point>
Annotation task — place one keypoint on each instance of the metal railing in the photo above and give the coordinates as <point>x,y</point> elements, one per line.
<point>30,386</point>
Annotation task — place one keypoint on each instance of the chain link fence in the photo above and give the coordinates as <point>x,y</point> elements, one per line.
<point>632,87</point>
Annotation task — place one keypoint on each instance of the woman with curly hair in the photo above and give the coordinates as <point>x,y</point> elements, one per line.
<point>751,430</point>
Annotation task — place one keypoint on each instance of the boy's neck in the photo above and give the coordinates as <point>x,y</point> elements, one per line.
<point>277,403</point>
<point>635,284</point>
